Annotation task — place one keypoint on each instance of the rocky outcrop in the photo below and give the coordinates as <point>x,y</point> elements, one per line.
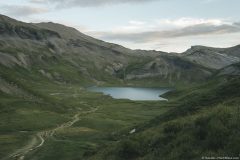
<point>8,60</point>
<point>210,57</point>
<point>19,59</point>
<point>170,68</point>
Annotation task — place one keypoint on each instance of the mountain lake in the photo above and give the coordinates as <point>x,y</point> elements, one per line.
<point>132,93</point>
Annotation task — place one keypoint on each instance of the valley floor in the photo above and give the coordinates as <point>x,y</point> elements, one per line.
<point>47,114</point>
<point>72,124</point>
<point>42,119</point>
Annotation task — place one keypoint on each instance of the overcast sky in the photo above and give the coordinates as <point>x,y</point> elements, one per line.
<point>166,25</point>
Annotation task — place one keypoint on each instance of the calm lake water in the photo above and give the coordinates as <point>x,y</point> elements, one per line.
<point>136,94</point>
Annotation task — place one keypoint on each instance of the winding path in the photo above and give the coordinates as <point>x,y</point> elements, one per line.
<point>39,138</point>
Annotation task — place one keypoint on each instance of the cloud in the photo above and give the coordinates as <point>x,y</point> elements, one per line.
<point>97,3</point>
<point>22,10</point>
<point>165,24</point>
<point>88,3</point>
<point>143,32</point>
<point>237,24</point>
<point>38,1</point>
<point>186,21</point>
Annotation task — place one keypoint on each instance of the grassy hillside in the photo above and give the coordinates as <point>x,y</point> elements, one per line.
<point>46,112</point>
<point>203,122</point>
<point>32,104</point>
<point>198,121</point>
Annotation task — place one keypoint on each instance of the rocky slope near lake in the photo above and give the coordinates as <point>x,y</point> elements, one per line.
<point>64,55</point>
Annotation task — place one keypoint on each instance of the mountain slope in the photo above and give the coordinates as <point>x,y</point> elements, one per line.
<point>203,122</point>
<point>52,49</point>
<point>214,58</point>
<point>46,112</point>
<point>233,69</point>
<point>169,68</point>
<point>62,54</point>
<point>233,51</point>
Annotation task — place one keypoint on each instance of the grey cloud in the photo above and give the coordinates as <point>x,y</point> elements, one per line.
<point>17,10</point>
<point>196,30</point>
<point>88,3</point>
<point>236,23</point>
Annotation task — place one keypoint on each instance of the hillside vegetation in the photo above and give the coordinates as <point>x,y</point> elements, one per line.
<point>203,122</point>
<point>47,113</point>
